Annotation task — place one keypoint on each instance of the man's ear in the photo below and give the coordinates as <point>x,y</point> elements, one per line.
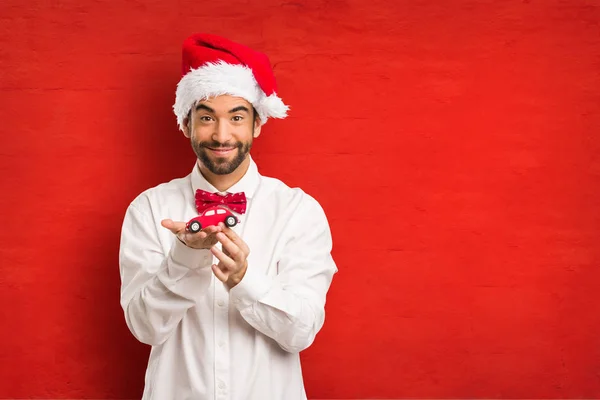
<point>187,127</point>
<point>257,127</point>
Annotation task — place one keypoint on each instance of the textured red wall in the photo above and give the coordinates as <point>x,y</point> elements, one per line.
<point>453,144</point>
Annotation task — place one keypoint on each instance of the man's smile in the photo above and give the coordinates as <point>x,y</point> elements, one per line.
<point>221,151</point>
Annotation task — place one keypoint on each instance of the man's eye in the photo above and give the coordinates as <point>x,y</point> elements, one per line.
<point>237,118</point>
<point>205,118</point>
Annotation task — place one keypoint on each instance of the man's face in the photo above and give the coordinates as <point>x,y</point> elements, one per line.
<point>221,130</point>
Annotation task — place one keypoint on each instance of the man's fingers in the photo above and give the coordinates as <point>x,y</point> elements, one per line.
<point>226,261</point>
<point>212,229</point>
<point>208,232</point>
<point>231,235</point>
<point>222,276</point>
<point>202,239</point>
<point>232,249</point>
<point>189,237</point>
<point>173,226</point>
<point>167,223</point>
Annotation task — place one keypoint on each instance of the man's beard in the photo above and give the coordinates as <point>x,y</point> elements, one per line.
<point>221,165</point>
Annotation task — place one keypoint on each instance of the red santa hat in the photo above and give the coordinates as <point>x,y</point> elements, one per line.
<point>213,66</point>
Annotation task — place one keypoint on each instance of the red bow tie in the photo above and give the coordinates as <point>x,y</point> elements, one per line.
<point>235,201</point>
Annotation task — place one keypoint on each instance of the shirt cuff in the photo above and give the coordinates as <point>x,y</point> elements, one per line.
<point>189,258</point>
<point>183,260</point>
<point>253,286</point>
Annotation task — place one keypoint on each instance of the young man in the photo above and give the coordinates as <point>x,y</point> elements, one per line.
<point>228,309</point>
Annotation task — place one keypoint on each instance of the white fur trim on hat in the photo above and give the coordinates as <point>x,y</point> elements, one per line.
<point>215,79</point>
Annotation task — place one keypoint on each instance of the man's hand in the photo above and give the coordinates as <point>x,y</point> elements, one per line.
<point>233,260</point>
<point>205,239</point>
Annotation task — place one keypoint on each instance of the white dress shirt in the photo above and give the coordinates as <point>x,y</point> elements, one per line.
<point>209,342</point>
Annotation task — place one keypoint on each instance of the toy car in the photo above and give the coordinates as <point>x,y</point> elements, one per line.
<point>212,216</point>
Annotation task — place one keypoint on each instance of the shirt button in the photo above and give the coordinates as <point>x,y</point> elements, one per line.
<point>221,344</point>
<point>221,303</point>
<point>221,385</point>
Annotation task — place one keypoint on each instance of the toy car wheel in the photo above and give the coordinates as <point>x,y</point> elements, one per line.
<point>230,221</point>
<point>195,227</point>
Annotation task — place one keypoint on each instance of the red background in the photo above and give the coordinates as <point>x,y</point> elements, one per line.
<point>454,146</point>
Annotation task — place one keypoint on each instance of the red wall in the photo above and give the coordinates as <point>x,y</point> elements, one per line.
<point>453,144</point>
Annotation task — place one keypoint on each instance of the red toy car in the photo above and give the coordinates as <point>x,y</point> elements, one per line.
<point>212,216</point>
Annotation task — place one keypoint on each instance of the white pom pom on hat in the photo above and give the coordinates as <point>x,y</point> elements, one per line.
<point>213,66</point>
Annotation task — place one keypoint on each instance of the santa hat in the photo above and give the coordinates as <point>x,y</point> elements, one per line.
<point>213,66</point>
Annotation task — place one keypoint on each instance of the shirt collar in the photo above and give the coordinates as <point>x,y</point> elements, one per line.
<point>248,184</point>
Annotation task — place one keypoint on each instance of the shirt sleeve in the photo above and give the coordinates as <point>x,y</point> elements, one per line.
<point>157,288</point>
<point>290,307</point>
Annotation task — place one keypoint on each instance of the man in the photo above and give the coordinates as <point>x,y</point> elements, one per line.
<point>228,309</point>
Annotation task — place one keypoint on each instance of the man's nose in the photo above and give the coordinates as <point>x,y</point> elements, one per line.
<point>222,132</point>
